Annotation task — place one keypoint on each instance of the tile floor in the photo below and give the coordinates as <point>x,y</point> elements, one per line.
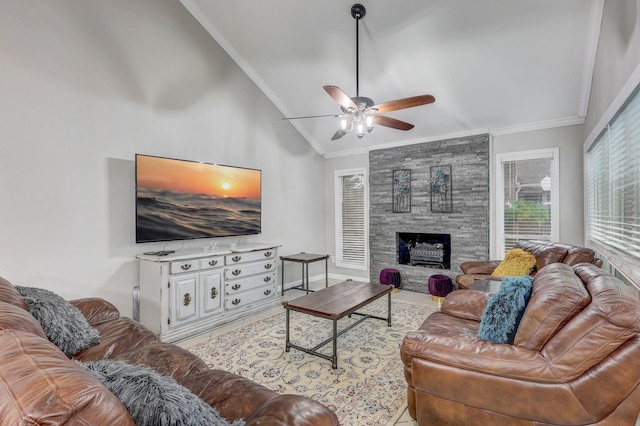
<point>410,296</point>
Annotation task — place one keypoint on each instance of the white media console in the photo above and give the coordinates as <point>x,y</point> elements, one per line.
<point>191,291</point>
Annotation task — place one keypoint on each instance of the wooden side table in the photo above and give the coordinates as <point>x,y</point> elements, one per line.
<point>305,259</point>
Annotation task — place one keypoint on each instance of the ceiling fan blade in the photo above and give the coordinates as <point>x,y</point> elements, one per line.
<point>311,116</point>
<point>340,97</point>
<point>337,135</point>
<point>392,122</point>
<point>404,103</point>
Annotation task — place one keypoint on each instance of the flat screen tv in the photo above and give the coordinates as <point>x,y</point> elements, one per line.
<point>181,199</point>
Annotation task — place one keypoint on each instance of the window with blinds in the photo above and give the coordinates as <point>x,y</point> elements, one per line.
<point>613,183</point>
<point>351,219</point>
<point>527,197</point>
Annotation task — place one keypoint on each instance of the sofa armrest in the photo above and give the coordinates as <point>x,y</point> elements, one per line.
<point>40,385</point>
<point>96,310</point>
<point>292,410</point>
<point>479,267</point>
<point>466,352</point>
<point>236,397</point>
<point>467,304</point>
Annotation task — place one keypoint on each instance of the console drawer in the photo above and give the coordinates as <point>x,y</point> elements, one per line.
<point>234,258</point>
<point>249,297</point>
<point>185,266</point>
<point>250,283</point>
<point>233,272</point>
<point>212,262</point>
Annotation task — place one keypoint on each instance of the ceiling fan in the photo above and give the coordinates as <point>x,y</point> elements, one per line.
<point>360,113</point>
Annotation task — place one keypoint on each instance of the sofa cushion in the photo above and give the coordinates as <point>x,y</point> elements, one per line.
<point>15,318</point>
<point>39,385</point>
<point>117,337</point>
<point>165,358</point>
<point>9,294</point>
<point>96,310</point>
<point>577,255</point>
<point>504,310</point>
<point>545,252</point>
<point>63,323</point>
<point>516,263</point>
<point>467,304</point>
<point>237,397</point>
<point>557,296</point>
<point>609,322</point>
<point>153,399</point>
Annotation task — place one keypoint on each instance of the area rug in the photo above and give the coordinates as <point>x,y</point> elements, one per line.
<point>367,388</point>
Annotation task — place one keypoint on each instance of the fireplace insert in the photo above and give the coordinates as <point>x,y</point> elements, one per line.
<point>424,249</point>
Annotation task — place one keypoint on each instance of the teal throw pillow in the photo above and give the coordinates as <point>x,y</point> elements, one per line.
<point>502,315</point>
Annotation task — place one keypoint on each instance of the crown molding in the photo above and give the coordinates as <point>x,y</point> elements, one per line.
<point>499,131</point>
<point>540,125</point>
<point>593,37</point>
<point>405,143</point>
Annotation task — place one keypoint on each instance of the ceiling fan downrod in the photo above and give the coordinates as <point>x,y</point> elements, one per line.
<point>358,11</point>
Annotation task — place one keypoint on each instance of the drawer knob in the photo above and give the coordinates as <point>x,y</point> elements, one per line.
<point>185,266</point>
<point>267,254</point>
<point>236,286</point>
<point>267,292</point>
<point>186,301</point>
<point>214,293</point>
<point>213,262</point>
<point>236,258</point>
<point>267,279</point>
<point>236,272</point>
<point>236,301</point>
<point>268,266</point>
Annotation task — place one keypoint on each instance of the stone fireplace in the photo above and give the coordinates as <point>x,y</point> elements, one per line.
<point>467,226</point>
<point>425,250</point>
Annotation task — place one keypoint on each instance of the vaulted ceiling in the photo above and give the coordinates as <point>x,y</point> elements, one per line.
<point>493,65</point>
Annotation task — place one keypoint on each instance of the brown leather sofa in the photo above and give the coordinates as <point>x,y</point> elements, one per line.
<point>575,359</point>
<point>545,252</point>
<point>40,385</point>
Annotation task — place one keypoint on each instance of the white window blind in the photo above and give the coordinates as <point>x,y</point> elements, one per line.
<point>351,219</point>
<point>528,186</point>
<point>613,183</point>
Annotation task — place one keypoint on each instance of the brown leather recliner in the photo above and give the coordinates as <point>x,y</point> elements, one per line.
<point>40,385</point>
<point>575,359</point>
<point>545,252</point>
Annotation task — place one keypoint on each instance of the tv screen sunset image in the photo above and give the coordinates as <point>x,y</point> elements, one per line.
<point>179,199</point>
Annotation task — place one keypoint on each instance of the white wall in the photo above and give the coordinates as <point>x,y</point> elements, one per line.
<point>569,141</point>
<point>86,84</point>
<point>617,57</point>
<point>331,165</point>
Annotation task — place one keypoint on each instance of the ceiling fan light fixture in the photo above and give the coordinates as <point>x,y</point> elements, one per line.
<point>346,124</point>
<point>359,128</point>
<point>369,121</point>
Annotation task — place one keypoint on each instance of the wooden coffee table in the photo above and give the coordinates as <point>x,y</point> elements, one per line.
<point>333,303</point>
